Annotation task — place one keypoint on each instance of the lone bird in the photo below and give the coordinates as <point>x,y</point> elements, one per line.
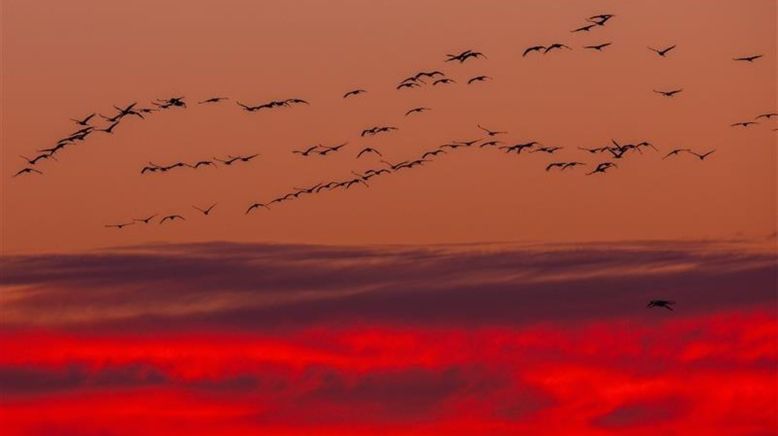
<point>354,93</point>
<point>556,45</point>
<point>662,52</point>
<point>749,59</point>
<point>744,124</point>
<point>368,150</point>
<point>661,303</point>
<point>478,79</point>
<point>671,93</point>
<point>417,110</point>
<point>767,116</point>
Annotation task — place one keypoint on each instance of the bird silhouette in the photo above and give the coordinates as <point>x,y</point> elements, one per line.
<point>368,150</point>
<point>478,79</point>
<point>676,152</point>
<point>110,128</point>
<point>662,52</point>
<point>549,150</point>
<point>748,59</point>
<point>602,168</point>
<point>600,19</point>
<point>307,151</point>
<point>84,121</point>
<point>432,153</point>
<point>206,211</point>
<point>119,226</point>
<point>408,85</point>
<point>702,156</point>
<point>767,116</point>
<point>671,93</point>
<point>585,28</point>
<point>661,303</point>
<point>213,100</point>
<point>145,220</point>
<point>490,132</point>
<point>203,163</point>
<point>171,218</point>
<point>417,110</point>
<point>35,160</point>
<point>464,56</point>
<point>335,148</point>
<point>256,205</point>
<point>443,81</point>
<point>534,48</point>
<point>557,46</point>
<point>354,93</point>
<point>744,124</point>
<point>27,170</point>
<point>598,47</point>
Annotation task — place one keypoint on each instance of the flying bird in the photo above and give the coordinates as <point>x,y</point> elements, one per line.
<point>205,211</point>
<point>35,160</point>
<point>368,150</point>
<point>767,116</point>
<point>749,59</point>
<point>354,93</point>
<point>307,151</point>
<point>744,124</point>
<point>556,45</point>
<point>602,168</point>
<point>676,151</point>
<point>702,156</point>
<point>433,153</point>
<point>671,93</point>
<point>600,19</point>
<point>171,218</point>
<point>661,303</point>
<point>444,81</point>
<point>662,52</point>
<point>213,100</point>
<point>110,128</point>
<point>478,79</point>
<point>84,121</point>
<point>203,163</point>
<point>598,47</point>
<point>549,150</point>
<point>417,110</point>
<point>537,48</point>
<point>27,170</point>
<point>256,205</point>
<point>585,28</point>
<point>145,220</point>
<point>408,85</point>
<point>119,226</point>
<point>327,150</point>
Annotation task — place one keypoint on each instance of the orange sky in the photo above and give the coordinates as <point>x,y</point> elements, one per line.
<point>67,59</point>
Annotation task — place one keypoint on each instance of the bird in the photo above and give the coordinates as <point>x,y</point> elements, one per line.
<point>206,211</point>
<point>443,81</point>
<point>537,48</point>
<point>110,128</point>
<point>408,85</point>
<point>295,101</point>
<point>145,220</point>
<point>229,161</point>
<point>489,144</point>
<point>171,218</point>
<point>150,168</point>
<point>572,165</point>
<point>749,59</point>
<point>464,56</point>
<point>767,116</point>
<point>602,167</point>
<point>702,156</point>
<point>307,151</point>
<point>213,100</point>
<point>676,151</point>
<point>595,150</point>
<point>662,52</point>
<point>256,205</point>
<point>478,79</point>
<point>744,124</point>
<point>417,110</point>
<point>585,28</point>
<point>490,132</point>
<point>368,150</point>
<point>84,121</point>
<point>35,160</point>
<point>27,170</point>
<point>556,45</point>
<point>600,19</point>
<point>433,153</point>
<point>354,93</point>
<point>519,147</point>
<point>203,163</point>
<point>119,226</point>
<point>669,93</point>
<point>661,303</point>
<point>598,47</point>
<point>555,165</point>
<point>248,108</point>
<point>549,150</point>
<point>331,149</point>
<point>246,158</point>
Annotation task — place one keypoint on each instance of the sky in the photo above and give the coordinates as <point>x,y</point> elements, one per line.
<point>475,294</point>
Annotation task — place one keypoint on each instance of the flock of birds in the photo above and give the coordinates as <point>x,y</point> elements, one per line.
<point>612,151</point>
